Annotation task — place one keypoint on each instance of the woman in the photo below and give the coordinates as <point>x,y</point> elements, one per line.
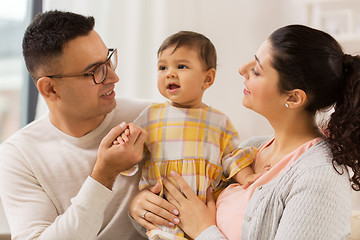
<point>306,194</point>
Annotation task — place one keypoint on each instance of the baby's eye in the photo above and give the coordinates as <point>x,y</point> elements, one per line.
<point>182,66</point>
<point>162,68</point>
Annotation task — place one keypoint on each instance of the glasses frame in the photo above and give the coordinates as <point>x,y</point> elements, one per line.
<point>112,51</point>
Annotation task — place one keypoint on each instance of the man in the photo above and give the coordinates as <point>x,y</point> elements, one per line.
<point>59,175</point>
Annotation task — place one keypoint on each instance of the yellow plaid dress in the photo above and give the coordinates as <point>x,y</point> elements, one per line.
<point>200,144</point>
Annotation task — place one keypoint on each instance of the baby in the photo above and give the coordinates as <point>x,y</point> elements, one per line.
<point>186,135</point>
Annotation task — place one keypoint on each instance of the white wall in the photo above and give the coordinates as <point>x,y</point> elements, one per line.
<point>236,27</point>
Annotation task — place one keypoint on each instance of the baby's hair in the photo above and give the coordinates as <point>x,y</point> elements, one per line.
<point>194,41</point>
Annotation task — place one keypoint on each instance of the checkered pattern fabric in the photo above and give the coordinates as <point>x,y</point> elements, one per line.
<point>157,234</point>
<point>201,144</point>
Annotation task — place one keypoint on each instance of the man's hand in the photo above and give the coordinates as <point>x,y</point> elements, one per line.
<point>113,159</point>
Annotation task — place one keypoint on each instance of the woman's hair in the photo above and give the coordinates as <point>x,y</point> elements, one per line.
<point>312,60</point>
<point>194,41</point>
<point>47,34</point>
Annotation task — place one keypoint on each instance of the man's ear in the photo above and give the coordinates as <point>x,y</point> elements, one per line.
<point>209,78</point>
<point>46,88</point>
<point>296,98</point>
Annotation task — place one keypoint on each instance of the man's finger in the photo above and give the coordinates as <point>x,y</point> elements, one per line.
<point>141,136</point>
<point>134,132</point>
<point>113,134</point>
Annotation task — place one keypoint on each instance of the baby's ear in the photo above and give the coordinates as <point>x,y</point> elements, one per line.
<point>209,78</point>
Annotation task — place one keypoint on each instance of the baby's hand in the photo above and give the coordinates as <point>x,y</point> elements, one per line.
<point>266,168</point>
<point>250,179</point>
<point>123,138</point>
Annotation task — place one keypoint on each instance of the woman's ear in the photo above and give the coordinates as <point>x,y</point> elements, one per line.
<point>46,88</point>
<point>209,78</point>
<point>296,98</point>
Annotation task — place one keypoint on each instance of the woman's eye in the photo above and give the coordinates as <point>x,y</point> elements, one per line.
<point>254,72</point>
<point>182,66</point>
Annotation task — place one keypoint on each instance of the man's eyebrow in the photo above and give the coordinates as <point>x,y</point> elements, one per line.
<point>93,65</point>
<point>257,59</point>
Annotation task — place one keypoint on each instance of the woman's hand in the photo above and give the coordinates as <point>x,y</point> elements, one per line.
<point>195,216</point>
<point>147,208</point>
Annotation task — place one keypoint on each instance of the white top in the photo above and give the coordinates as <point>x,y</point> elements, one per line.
<point>46,189</point>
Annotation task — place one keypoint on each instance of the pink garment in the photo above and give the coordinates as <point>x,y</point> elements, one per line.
<point>232,202</point>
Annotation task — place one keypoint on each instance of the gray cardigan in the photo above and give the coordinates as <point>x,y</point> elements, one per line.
<point>310,200</point>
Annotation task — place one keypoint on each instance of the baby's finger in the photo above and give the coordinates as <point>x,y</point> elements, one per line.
<point>267,168</point>
<point>125,137</point>
<point>112,135</point>
<point>120,141</point>
<point>127,131</point>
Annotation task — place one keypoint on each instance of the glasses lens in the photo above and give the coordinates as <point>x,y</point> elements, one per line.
<point>112,63</point>
<point>100,73</point>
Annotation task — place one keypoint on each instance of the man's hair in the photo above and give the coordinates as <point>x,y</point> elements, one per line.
<point>47,34</point>
<point>195,41</point>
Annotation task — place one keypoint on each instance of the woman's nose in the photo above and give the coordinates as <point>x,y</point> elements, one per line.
<point>244,70</point>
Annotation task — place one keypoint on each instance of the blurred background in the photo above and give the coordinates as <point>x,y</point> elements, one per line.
<point>138,27</point>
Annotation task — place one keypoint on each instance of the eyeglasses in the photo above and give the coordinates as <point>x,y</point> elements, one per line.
<point>99,72</point>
